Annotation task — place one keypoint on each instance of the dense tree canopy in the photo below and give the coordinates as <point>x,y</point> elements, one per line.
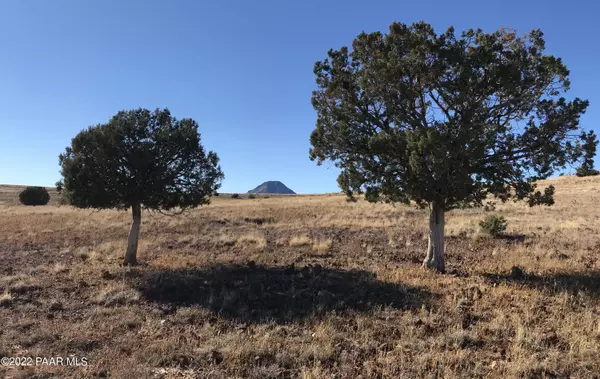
<point>143,157</point>
<point>139,159</point>
<point>445,120</point>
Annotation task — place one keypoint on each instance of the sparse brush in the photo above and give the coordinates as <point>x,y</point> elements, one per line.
<point>224,306</point>
<point>5,299</point>
<point>117,294</point>
<point>300,240</point>
<point>59,268</point>
<point>227,239</point>
<point>257,240</point>
<point>490,206</point>
<point>322,246</point>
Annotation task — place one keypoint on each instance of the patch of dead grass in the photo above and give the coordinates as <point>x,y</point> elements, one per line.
<point>301,240</point>
<point>255,240</point>
<point>5,298</point>
<point>322,246</point>
<point>117,294</point>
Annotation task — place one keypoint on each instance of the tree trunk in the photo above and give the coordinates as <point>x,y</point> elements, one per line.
<point>134,234</point>
<point>435,249</point>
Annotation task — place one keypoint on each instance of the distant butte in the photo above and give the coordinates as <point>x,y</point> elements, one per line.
<point>273,187</point>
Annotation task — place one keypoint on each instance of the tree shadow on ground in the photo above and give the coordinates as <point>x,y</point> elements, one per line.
<point>255,293</point>
<point>578,282</point>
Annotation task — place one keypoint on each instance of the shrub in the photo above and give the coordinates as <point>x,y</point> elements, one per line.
<point>493,225</point>
<point>34,196</point>
<point>235,196</point>
<point>586,171</point>
<point>252,196</point>
<point>63,196</point>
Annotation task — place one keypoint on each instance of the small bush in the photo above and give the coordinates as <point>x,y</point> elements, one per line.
<point>34,196</point>
<point>586,171</point>
<point>235,196</point>
<point>493,225</point>
<point>63,196</point>
<point>252,196</point>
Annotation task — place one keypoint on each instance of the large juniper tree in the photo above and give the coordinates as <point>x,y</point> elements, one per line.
<point>445,120</point>
<point>139,159</point>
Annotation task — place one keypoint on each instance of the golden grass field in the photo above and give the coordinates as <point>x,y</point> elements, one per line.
<point>303,287</point>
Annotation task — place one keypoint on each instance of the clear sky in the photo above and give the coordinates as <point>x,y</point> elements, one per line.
<point>242,69</point>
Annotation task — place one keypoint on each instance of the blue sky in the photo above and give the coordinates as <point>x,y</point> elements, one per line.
<point>242,69</point>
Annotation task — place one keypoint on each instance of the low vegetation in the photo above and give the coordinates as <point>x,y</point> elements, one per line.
<point>322,245</point>
<point>494,225</point>
<point>34,196</point>
<point>300,240</point>
<point>221,297</point>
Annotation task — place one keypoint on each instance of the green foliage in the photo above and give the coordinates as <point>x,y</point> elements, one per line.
<point>590,142</point>
<point>235,196</point>
<point>252,196</point>
<point>63,196</point>
<point>443,118</point>
<point>139,157</point>
<point>493,225</point>
<point>34,196</point>
<point>584,171</point>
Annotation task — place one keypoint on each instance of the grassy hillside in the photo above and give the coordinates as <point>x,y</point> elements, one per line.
<point>304,286</point>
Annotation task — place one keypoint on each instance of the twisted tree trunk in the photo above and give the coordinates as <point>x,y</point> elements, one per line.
<point>435,249</point>
<point>134,234</point>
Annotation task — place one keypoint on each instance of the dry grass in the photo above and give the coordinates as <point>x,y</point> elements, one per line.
<point>116,294</point>
<point>253,239</point>
<point>304,287</point>
<point>302,240</point>
<point>322,245</point>
<point>5,298</point>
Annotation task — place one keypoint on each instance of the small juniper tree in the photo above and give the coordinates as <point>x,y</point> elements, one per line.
<point>34,196</point>
<point>139,159</point>
<point>444,120</point>
<point>590,142</point>
<point>62,196</point>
